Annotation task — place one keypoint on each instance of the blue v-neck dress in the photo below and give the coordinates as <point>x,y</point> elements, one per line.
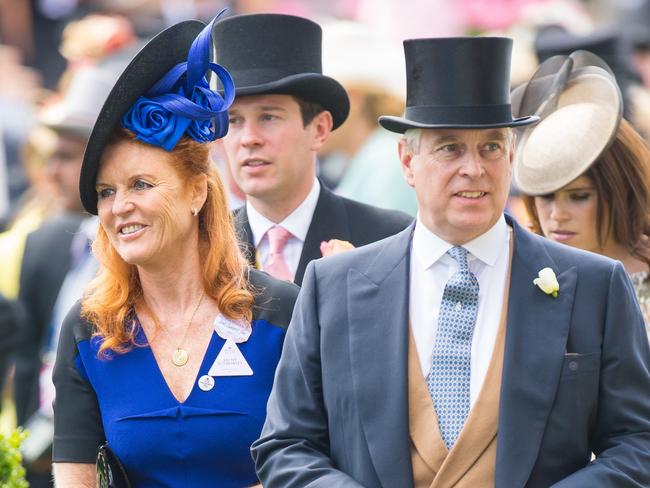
<point>201,442</point>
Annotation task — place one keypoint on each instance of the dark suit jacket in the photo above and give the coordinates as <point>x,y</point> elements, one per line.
<point>9,320</point>
<point>334,217</point>
<point>576,375</point>
<point>45,263</point>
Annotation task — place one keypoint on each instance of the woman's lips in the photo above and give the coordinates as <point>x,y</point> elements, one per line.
<point>561,235</point>
<point>131,231</point>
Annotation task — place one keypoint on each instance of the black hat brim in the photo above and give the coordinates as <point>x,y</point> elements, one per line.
<point>154,60</point>
<point>401,124</point>
<point>312,87</point>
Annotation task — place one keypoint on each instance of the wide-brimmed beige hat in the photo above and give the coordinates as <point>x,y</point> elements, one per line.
<point>580,107</point>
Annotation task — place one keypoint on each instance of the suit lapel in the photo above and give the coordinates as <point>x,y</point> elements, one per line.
<point>330,221</point>
<point>245,234</point>
<point>378,333</point>
<point>537,331</point>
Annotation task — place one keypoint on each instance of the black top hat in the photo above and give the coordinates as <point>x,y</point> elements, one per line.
<point>156,91</point>
<point>607,43</point>
<point>278,54</point>
<point>634,21</point>
<point>457,82</point>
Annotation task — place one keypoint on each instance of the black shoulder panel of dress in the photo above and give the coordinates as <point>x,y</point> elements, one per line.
<point>82,330</point>
<point>274,299</point>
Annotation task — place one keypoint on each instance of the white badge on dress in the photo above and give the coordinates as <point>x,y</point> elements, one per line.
<point>230,361</point>
<point>237,331</point>
<point>206,382</point>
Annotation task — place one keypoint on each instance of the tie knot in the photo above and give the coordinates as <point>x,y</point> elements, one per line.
<point>460,256</point>
<point>278,237</point>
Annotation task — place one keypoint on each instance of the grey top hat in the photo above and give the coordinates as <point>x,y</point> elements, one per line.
<point>77,112</point>
<point>278,54</point>
<point>457,82</point>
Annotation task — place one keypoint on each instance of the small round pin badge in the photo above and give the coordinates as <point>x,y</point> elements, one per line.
<point>206,382</point>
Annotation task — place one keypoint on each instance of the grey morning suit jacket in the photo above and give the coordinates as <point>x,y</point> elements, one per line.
<point>576,376</point>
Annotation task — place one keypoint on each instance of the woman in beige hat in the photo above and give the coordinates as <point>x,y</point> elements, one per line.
<point>583,170</point>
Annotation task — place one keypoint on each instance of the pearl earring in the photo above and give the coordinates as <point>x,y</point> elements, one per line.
<point>194,211</point>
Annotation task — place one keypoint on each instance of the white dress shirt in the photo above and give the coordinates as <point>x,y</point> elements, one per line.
<point>297,222</point>
<point>431,268</point>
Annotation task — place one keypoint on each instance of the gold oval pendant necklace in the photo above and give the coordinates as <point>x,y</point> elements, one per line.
<point>180,356</point>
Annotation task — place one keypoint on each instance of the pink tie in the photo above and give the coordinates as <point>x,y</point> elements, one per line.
<point>275,264</point>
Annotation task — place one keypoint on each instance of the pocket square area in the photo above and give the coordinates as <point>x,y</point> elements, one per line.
<point>576,363</point>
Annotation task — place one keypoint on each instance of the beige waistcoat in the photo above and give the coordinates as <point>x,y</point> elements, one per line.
<point>471,462</point>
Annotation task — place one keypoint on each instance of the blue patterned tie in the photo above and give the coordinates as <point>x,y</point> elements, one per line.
<point>449,377</point>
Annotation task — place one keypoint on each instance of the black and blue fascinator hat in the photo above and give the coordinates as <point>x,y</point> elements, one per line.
<point>162,95</point>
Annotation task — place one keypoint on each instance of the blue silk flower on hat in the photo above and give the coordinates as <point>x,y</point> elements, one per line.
<point>182,102</point>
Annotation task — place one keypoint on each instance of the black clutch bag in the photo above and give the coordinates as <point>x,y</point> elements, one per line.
<point>110,472</point>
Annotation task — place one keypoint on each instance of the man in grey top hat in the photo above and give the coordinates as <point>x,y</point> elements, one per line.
<point>464,351</point>
<point>284,111</point>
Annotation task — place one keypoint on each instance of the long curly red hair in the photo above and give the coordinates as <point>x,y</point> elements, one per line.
<point>110,299</point>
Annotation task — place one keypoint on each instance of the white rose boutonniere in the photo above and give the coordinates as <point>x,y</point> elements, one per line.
<point>547,282</point>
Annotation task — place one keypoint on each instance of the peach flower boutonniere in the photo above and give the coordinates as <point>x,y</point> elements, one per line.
<point>334,246</point>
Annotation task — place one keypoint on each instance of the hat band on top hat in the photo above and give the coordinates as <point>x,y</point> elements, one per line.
<point>459,115</point>
<point>182,102</point>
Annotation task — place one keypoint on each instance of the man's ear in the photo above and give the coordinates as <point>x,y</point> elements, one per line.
<point>406,158</point>
<point>321,126</point>
<point>513,146</point>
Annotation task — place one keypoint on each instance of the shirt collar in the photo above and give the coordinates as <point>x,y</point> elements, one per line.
<point>297,222</point>
<point>428,248</point>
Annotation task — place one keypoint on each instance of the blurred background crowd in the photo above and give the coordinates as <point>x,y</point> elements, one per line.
<point>59,59</point>
<point>43,43</point>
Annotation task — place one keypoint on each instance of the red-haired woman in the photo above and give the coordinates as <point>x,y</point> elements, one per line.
<point>170,357</point>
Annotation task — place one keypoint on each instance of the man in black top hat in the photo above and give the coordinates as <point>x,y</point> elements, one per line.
<point>464,351</point>
<point>283,112</point>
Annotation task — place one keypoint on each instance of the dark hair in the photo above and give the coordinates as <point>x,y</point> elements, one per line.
<point>308,109</point>
<point>621,176</point>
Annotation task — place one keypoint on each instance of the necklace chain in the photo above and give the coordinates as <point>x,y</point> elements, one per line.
<point>180,356</point>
